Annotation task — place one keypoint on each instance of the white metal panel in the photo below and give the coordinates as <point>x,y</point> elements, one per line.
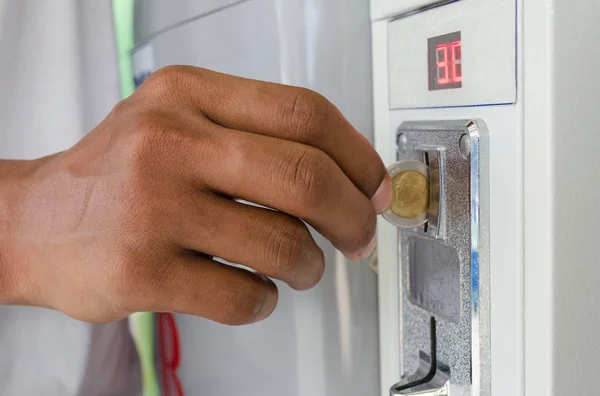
<point>387,234</point>
<point>324,341</point>
<point>388,8</point>
<point>154,16</point>
<point>241,40</point>
<point>576,191</point>
<point>562,192</point>
<point>488,54</point>
<point>539,225</point>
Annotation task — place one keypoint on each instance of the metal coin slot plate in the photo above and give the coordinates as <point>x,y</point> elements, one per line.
<point>445,263</point>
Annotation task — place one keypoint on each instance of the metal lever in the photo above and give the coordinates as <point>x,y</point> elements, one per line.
<point>414,387</point>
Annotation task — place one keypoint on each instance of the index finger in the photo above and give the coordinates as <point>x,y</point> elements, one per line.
<point>290,113</point>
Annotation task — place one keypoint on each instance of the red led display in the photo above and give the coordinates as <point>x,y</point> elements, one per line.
<point>445,62</point>
<point>448,63</point>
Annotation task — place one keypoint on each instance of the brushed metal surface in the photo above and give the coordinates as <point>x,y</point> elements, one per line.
<point>448,277</point>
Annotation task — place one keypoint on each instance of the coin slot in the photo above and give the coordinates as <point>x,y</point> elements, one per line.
<point>426,158</point>
<point>435,165</point>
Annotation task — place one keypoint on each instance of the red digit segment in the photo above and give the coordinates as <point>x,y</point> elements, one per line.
<point>456,62</point>
<point>442,64</point>
<point>449,65</point>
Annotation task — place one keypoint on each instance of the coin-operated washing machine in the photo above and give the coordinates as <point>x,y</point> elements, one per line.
<point>320,342</point>
<point>486,113</point>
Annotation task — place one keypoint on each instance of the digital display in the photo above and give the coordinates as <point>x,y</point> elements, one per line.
<point>444,55</point>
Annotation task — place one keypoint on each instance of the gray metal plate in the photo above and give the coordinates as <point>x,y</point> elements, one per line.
<point>445,274</point>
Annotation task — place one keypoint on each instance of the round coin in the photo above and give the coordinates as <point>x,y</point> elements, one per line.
<point>410,194</point>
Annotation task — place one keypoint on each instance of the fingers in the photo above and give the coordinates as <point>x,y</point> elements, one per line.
<point>203,287</point>
<point>270,242</point>
<point>283,112</point>
<point>294,178</point>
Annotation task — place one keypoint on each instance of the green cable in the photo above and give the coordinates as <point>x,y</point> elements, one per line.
<point>142,329</point>
<point>123,20</point>
<point>142,325</point>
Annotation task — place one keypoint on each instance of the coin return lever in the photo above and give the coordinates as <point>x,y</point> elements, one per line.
<point>437,183</point>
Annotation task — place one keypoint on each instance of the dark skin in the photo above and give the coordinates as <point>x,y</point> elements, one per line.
<point>130,218</point>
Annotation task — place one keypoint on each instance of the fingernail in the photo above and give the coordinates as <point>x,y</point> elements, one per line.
<point>366,251</point>
<point>382,198</point>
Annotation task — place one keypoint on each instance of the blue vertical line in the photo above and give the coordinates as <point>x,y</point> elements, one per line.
<point>475,225</point>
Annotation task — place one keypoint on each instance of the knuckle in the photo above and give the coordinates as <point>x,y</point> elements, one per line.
<point>122,109</point>
<point>293,256</point>
<point>167,80</point>
<point>287,245</point>
<point>319,271</point>
<point>128,275</point>
<point>153,138</point>
<point>146,124</point>
<point>364,231</point>
<point>236,150</point>
<point>306,177</point>
<point>306,113</point>
<point>244,303</point>
<point>143,142</point>
<point>136,276</point>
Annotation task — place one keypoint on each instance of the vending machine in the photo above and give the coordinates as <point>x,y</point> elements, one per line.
<point>487,257</point>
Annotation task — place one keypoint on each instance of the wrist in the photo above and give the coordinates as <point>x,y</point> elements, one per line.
<point>13,274</point>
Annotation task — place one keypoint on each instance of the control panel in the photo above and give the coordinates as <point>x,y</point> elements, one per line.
<point>459,54</point>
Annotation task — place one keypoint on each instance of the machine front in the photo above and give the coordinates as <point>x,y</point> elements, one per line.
<point>446,113</point>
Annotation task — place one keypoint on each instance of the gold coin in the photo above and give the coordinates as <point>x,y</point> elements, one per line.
<point>410,194</point>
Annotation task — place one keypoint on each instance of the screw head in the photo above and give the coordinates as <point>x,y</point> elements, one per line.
<point>402,142</point>
<point>465,145</point>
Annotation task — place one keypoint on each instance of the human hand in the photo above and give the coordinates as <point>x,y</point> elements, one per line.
<point>130,218</point>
